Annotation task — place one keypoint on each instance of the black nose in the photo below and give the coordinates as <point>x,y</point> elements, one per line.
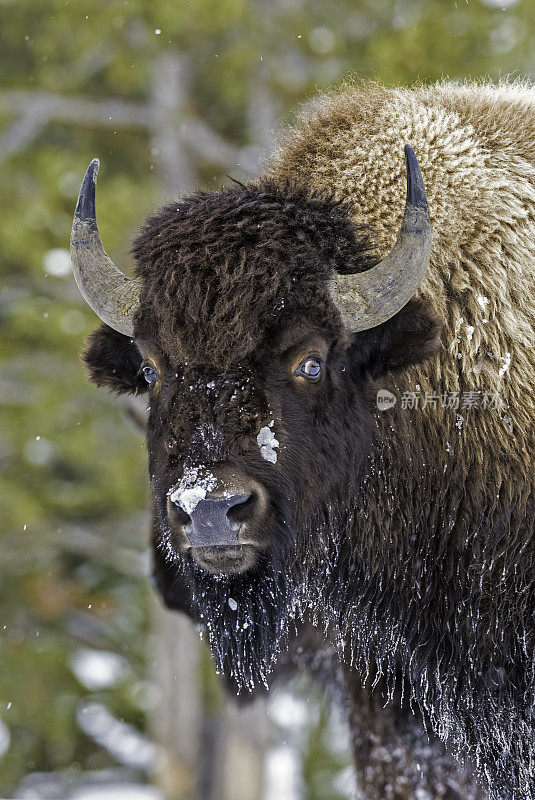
<point>216,521</point>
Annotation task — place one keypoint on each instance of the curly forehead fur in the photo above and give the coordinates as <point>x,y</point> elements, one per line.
<point>220,271</point>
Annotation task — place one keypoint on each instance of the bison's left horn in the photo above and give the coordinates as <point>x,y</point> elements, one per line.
<point>111,295</point>
<point>368,298</point>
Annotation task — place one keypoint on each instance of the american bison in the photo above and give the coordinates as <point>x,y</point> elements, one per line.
<point>341,422</point>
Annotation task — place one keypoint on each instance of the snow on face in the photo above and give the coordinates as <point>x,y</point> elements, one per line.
<point>469,332</point>
<point>194,486</point>
<point>506,363</point>
<point>267,443</point>
<point>198,481</point>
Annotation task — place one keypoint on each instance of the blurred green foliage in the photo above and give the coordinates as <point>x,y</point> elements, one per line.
<point>73,486</point>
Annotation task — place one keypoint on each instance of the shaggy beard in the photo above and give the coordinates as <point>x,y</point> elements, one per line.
<point>246,617</point>
<point>246,620</point>
<point>249,618</point>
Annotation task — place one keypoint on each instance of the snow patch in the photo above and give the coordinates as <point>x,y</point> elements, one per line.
<point>5,738</point>
<point>267,443</point>
<point>57,262</point>
<point>98,669</point>
<point>193,488</point>
<point>506,363</point>
<point>121,740</point>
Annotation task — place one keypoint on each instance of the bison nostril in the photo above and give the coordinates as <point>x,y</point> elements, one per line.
<point>210,520</point>
<point>240,507</point>
<point>180,515</point>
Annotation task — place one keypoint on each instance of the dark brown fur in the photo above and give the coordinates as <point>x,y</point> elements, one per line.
<point>410,535</point>
<point>204,260</point>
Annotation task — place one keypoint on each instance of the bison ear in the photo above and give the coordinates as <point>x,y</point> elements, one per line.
<point>409,337</point>
<point>113,361</point>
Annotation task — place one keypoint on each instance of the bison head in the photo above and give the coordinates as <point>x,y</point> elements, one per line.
<point>256,325</point>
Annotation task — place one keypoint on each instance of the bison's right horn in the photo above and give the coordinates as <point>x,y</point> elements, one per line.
<point>110,294</point>
<point>367,299</point>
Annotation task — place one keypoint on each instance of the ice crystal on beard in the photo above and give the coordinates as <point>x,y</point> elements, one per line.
<point>246,641</point>
<point>247,648</point>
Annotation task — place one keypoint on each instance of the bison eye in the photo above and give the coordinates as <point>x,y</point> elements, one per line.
<point>309,368</point>
<point>150,373</point>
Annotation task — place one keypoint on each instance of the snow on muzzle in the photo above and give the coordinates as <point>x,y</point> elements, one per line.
<point>209,509</point>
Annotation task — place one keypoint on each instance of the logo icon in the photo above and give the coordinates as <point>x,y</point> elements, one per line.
<point>385,400</point>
